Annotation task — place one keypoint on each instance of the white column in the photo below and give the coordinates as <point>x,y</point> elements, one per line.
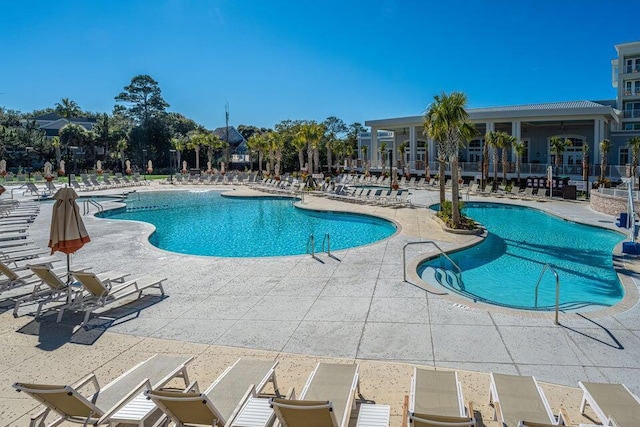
<point>516,130</point>
<point>373,150</point>
<point>413,144</point>
<point>598,135</point>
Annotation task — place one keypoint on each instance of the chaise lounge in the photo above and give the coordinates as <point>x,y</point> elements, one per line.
<point>436,400</point>
<point>613,404</point>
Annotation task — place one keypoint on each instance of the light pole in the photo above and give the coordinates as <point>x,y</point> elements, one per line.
<point>28,150</point>
<point>171,154</point>
<point>144,167</point>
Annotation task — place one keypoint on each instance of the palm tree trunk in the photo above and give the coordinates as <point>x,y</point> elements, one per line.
<point>310,159</point>
<point>301,159</point>
<point>58,156</point>
<point>441,182</point>
<point>329,159</point>
<point>316,160</point>
<point>504,166</point>
<point>455,202</point>
<point>495,165</point>
<point>197,150</point>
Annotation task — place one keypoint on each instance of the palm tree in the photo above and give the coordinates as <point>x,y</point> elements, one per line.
<point>447,122</point>
<point>55,142</point>
<point>195,139</point>
<point>299,143</point>
<point>122,146</point>
<point>585,162</point>
<point>492,139</point>
<point>605,146</point>
<point>485,161</point>
<point>178,142</point>
<point>256,143</point>
<point>506,142</point>
<point>277,145</point>
<point>312,133</point>
<point>634,145</point>
<point>365,159</point>
<point>383,155</point>
<point>557,146</point>
<point>67,108</point>
<point>401,149</point>
<point>519,147</point>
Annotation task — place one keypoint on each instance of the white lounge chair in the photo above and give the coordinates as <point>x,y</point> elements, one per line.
<point>436,400</point>
<point>327,398</point>
<point>98,293</point>
<point>613,404</point>
<point>111,403</point>
<point>222,401</point>
<point>519,401</point>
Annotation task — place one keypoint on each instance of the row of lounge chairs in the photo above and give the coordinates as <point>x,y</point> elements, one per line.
<point>92,182</point>
<point>240,178</point>
<point>239,397</point>
<point>379,197</point>
<point>529,193</point>
<point>79,290</point>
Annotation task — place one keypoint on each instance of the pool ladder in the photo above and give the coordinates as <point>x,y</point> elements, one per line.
<point>443,253</point>
<point>86,206</point>
<point>311,245</point>
<point>555,273</point>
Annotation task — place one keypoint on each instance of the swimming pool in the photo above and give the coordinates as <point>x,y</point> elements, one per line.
<point>505,267</point>
<point>205,223</point>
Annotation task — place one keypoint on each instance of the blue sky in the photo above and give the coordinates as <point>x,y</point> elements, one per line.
<point>276,60</point>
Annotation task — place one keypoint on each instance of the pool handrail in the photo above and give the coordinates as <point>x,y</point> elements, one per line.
<point>404,257</point>
<point>555,273</point>
<point>327,239</point>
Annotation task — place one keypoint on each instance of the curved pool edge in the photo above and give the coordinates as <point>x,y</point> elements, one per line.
<point>249,195</point>
<point>630,298</point>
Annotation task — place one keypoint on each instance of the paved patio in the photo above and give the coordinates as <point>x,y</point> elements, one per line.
<point>353,306</point>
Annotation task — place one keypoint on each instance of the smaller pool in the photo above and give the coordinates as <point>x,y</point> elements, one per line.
<point>505,267</point>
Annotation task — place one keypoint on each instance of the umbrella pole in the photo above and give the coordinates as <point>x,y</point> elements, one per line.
<point>68,269</point>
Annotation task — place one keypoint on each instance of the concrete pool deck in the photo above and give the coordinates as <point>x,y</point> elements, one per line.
<point>353,306</point>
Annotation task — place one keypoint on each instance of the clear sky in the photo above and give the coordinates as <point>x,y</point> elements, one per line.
<point>299,59</point>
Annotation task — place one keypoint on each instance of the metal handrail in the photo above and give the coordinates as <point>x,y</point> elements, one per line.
<point>555,273</point>
<point>327,239</point>
<point>86,208</point>
<point>404,257</point>
<point>311,241</point>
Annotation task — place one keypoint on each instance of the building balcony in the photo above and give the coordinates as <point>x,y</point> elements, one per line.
<point>631,69</point>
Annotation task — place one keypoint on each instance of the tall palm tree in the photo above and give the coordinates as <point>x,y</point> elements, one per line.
<point>383,155</point>
<point>634,146</point>
<point>299,143</point>
<point>506,142</point>
<point>312,133</point>
<point>255,143</point>
<point>67,108</point>
<point>585,162</point>
<point>365,159</point>
<point>492,139</point>
<point>485,160</point>
<point>179,143</point>
<point>401,149</point>
<point>194,142</point>
<point>557,146</point>
<point>447,122</point>
<point>277,145</point>
<point>519,147</point>
<point>605,146</point>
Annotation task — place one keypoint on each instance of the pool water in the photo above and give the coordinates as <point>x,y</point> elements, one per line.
<point>205,223</point>
<point>505,267</point>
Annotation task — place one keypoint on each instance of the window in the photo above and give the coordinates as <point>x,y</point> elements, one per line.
<point>623,156</point>
<point>632,126</point>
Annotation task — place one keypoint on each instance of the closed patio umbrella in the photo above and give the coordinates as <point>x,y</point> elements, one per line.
<point>68,233</point>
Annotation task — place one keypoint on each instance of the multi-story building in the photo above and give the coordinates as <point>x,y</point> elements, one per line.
<point>581,122</point>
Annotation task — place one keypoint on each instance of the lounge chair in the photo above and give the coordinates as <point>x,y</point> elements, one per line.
<point>222,401</point>
<point>53,286</point>
<point>613,404</point>
<point>107,404</point>
<point>327,398</point>
<point>519,401</point>
<point>436,400</point>
<point>15,278</point>
<point>98,293</point>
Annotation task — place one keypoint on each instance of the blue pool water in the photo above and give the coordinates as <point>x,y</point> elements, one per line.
<point>205,223</point>
<point>504,269</point>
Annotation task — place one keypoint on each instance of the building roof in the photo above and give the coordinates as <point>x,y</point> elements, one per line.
<point>52,117</point>
<point>235,137</point>
<point>549,106</point>
<point>550,111</point>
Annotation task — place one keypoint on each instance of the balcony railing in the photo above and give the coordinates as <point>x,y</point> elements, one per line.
<point>632,68</point>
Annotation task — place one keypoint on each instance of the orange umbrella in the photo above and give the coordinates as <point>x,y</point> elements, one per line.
<point>68,233</point>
